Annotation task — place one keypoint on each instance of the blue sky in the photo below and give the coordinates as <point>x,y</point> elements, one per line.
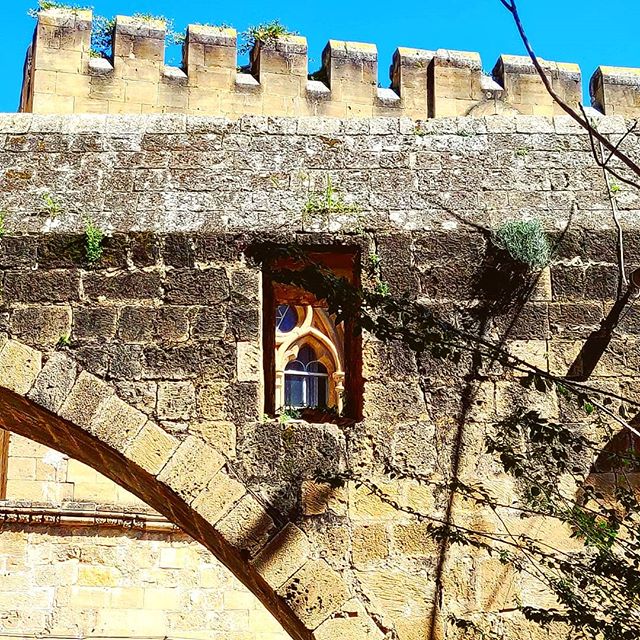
<point>589,32</point>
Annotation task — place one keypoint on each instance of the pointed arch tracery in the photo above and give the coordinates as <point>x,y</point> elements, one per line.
<point>313,329</point>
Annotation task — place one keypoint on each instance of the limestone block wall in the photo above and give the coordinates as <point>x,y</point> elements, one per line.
<point>63,77</point>
<point>80,556</point>
<point>98,581</point>
<point>171,318</point>
<point>36,474</point>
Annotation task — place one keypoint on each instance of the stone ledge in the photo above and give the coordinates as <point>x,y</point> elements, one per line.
<point>18,512</point>
<point>133,124</point>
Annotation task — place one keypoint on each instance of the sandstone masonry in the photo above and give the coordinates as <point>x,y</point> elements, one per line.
<point>152,390</point>
<point>62,76</point>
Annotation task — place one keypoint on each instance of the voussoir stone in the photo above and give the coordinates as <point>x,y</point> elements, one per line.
<point>55,382</point>
<point>84,399</point>
<point>283,556</point>
<point>315,592</point>
<point>152,448</point>
<point>218,497</point>
<point>116,423</point>
<point>191,467</point>
<point>19,366</point>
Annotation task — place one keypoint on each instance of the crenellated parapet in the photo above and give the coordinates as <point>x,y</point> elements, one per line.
<point>616,91</point>
<point>62,76</point>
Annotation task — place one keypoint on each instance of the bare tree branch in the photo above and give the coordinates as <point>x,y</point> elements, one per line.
<point>615,151</point>
<point>598,157</point>
<point>622,278</point>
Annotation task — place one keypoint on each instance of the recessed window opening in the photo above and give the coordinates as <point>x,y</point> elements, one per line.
<point>312,364</point>
<point>309,359</point>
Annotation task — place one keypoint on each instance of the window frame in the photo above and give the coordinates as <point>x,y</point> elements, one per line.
<point>344,261</point>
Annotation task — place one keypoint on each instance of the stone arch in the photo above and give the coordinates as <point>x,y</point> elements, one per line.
<point>188,481</point>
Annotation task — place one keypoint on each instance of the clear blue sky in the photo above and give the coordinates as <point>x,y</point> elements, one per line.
<point>588,32</point>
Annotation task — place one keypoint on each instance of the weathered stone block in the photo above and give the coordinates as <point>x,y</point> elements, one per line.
<point>55,381</point>
<point>318,497</point>
<point>137,324</point>
<point>211,360</point>
<point>116,423</point>
<point>208,322</point>
<point>43,325</point>
<point>243,318</point>
<point>179,251</point>
<point>283,556</point>
<point>351,623</point>
<point>19,366</point>
<point>217,433</point>
<point>94,323</point>
<point>249,362</point>
<point>206,287</point>
<point>86,395</point>
<point>152,448</point>
<point>176,400</point>
<point>315,592</point>
<point>244,402</point>
<point>247,527</point>
<point>42,286</point>
<point>212,400</point>
<point>414,539</point>
<point>364,504</point>
<point>191,467</point>
<point>122,285</point>
<point>370,544</point>
<point>218,497</point>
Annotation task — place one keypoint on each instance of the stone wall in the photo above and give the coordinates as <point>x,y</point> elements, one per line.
<point>42,476</point>
<point>110,583</point>
<point>81,556</point>
<point>171,316</point>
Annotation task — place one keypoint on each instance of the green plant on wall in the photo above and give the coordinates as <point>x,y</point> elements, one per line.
<point>3,220</point>
<point>267,32</point>
<point>93,241</point>
<point>63,341</point>
<point>525,241</point>
<point>102,28</point>
<point>43,5</point>
<point>51,205</point>
<point>328,203</point>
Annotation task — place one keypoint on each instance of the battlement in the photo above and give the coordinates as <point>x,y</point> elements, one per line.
<point>62,76</point>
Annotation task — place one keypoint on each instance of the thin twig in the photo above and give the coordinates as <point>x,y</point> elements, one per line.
<point>511,6</point>
<point>604,164</point>
<point>622,278</point>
